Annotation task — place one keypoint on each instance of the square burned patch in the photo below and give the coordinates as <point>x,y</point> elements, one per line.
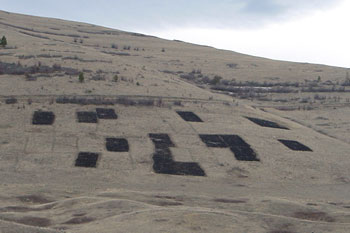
<point>117,144</point>
<point>294,145</point>
<point>43,118</point>
<point>87,117</point>
<point>86,159</point>
<point>266,123</point>
<point>106,113</point>
<point>189,116</point>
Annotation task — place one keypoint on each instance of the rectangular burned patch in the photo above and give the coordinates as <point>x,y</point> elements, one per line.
<point>86,159</point>
<point>87,117</point>
<point>266,123</point>
<point>117,144</point>
<point>106,113</point>
<point>241,149</point>
<point>43,118</point>
<point>189,116</point>
<point>164,163</point>
<point>294,145</point>
<point>161,140</point>
<point>212,140</point>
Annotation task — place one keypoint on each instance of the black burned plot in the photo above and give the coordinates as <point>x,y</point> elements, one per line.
<point>266,123</point>
<point>241,149</point>
<point>43,118</point>
<point>164,163</point>
<point>189,116</point>
<point>87,159</point>
<point>117,145</point>
<point>106,113</point>
<point>294,145</point>
<point>87,117</point>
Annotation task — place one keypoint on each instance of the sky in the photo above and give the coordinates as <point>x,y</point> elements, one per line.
<point>314,31</point>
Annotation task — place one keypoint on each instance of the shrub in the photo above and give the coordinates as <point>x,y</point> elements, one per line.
<point>216,80</point>
<point>115,78</point>
<point>3,41</point>
<point>81,77</point>
<point>114,46</point>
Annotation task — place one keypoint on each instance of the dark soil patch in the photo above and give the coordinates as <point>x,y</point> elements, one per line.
<point>164,203</point>
<point>34,221</point>
<point>222,200</point>
<point>24,209</point>
<point>161,140</point>
<point>314,216</point>
<point>79,214</point>
<point>189,116</point>
<point>35,199</point>
<point>86,159</point>
<point>106,113</point>
<point>87,117</point>
<point>266,123</point>
<point>117,144</point>
<point>43,118</point>
<point>169,197</point>
<point>163,162</point>
<point>281,231</point>
<point>80,220</point>
<point>294,145</point>
<point>238,146</point>
<point>21,209</point>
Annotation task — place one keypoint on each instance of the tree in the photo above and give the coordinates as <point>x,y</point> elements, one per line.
<point>81,77</point>
<point>3,41</point>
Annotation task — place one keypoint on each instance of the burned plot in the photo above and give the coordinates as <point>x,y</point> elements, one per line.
<point>87,159</point>
<point>294,145</point>
<point>161,140</point>
<point>163,162</point>
<point>266,123</point>
<point>117,144</point>
<point>106,113</point>
<point>189,116</point>
<point>87,117</point>
<point>213,141</point>
<point>241,149</point>
<point>43,118</point>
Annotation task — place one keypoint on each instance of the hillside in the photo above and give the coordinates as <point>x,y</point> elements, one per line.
<point>165,136</point>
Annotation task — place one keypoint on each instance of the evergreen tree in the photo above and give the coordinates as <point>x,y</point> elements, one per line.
<point>3,42</point>
<point>81,77</point>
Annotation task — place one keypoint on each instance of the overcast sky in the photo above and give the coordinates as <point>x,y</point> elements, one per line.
<point>315,31</point>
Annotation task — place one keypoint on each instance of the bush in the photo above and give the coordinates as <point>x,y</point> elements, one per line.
<point>3,41</point>
<point>81,77</point>
<point>115,78</point>
<point>216,80</point>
